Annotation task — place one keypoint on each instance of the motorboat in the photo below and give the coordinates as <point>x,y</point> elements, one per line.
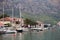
<point>22,29</point>
<point>10,31</point>
<point>19,29</point>
<point>2,30</point>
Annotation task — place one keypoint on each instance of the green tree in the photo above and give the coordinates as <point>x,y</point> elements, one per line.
<point>29,22</point>
<point>4,15</point>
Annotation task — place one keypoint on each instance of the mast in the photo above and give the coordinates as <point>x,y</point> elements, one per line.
<point>12,14</point>
<point>20,15</point>
<point>12,11</point>
<point>20,10</point>
<point>3,11</point>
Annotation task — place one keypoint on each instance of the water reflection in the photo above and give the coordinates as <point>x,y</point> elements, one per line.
<point>19,36</point>
<point>1,37</point>
<point>52,34</point>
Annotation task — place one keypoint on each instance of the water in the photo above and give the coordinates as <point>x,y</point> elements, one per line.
<point>52,34</point>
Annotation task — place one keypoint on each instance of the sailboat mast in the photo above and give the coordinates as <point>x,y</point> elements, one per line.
<point>20,11</point>
<point>20,14</point>
<point>12,14</point>
<point>3,10</point>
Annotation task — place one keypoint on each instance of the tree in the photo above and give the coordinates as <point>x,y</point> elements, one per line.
<point>4,15</point>
<point>29,22</point>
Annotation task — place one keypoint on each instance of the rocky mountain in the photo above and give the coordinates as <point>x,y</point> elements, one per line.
<point>43,10</point>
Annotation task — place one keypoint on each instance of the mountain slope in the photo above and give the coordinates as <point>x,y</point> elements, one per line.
<point>44,10</point>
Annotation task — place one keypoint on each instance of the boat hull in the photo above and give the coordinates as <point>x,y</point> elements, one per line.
<point>10,32</point>
<point>19,31</point>
<point>2,32</point>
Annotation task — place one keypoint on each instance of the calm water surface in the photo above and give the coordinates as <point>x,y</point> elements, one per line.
<point>52,34</point>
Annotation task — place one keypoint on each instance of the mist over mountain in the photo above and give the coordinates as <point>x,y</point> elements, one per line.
<point>44,10</point>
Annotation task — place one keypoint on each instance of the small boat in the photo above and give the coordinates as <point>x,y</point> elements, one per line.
<point>22,29</point>
<point>25,29</point>
<point>19,30</point>
<point>41,30</point>
<point>10,31</point>
<point>2,30</point>
<point>37,29</point>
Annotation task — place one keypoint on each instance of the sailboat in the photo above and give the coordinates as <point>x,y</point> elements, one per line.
<point>9,30</point>
<point>2,28</point>
<point>19,28</point>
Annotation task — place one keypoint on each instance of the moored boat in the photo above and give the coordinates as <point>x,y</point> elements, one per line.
<point>10,31</point>
<point>19,30</point>
<point>2,30</point>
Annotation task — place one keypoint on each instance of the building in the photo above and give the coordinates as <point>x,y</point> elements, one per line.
<point>12,20</point>
<point>1,24</point>
<point>40,24</point>
<point>7,19</point>
<point>43,25</point>
<point>58,23</point>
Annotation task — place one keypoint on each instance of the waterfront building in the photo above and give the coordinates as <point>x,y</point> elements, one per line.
<point>1,24</point>
<point>58,23</point>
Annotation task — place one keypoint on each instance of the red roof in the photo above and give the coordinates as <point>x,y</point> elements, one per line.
<point>8,19</point>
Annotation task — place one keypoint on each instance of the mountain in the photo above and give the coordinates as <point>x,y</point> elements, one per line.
<point>44,10</point>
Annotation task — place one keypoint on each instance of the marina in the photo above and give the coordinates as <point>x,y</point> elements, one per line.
<point>53,34</point>
<point>29,20</point>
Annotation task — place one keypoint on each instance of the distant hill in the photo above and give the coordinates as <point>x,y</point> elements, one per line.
<point>44,10</point>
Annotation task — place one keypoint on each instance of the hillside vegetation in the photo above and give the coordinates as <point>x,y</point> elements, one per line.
<point>47,11</point>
